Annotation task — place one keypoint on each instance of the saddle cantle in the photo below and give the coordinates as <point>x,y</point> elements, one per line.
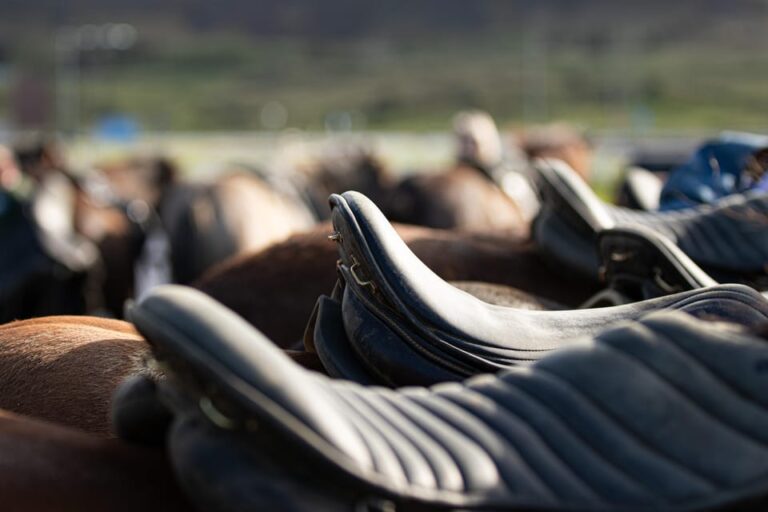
<point>674,418</point>
<point>640,263</point>
<point>728,239</point>
<point>641,189</point>
<point>398,323</point>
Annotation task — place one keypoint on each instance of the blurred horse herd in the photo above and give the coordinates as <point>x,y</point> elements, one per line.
<point>84,243</point>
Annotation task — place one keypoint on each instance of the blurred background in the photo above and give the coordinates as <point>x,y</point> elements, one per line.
<point>142,133</point>
<point>106,72</point>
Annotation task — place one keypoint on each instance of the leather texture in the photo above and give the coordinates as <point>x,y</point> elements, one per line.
<point>408,326</point>
<point>641,189</point>
<point>728,236</point>
<point>641,263</point>
<point>669,413</point>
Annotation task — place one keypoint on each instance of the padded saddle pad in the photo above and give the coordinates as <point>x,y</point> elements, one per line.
<point>727,238</point>
<point>669,413</point>
<point>405,325</point>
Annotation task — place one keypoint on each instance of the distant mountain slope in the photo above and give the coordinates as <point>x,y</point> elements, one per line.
<point>345,18</point>
<point>215,64</point>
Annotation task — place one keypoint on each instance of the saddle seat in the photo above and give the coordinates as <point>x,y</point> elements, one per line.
<point>405,325</point>
<point>726,238</point>
<point>676,418</point>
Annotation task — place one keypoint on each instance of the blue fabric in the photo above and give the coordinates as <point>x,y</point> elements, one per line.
<point>715,170</point>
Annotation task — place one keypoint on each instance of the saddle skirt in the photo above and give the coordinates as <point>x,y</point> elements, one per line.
<point>668,413</point>
<point>395,322</point>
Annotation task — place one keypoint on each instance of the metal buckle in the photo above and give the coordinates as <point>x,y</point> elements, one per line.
<point>216,416</point>
<point>357,278</point>
<point>620,257</point>
<point>661,283</point>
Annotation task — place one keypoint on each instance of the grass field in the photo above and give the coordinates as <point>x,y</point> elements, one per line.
<point>385,87</point>
<point>224,81</point>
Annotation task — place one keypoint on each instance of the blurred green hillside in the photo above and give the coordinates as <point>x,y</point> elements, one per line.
<point>640,67</point>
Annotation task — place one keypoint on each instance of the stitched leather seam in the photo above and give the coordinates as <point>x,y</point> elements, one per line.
<point>651,450</point>
<point>723,380</point>
<point>700,407</point>
<point>355,402</point>
<point>387,401</point>
<point>449,401</point>
<point>554,416</point>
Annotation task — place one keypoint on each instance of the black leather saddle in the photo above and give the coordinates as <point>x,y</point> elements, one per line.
<point>669,413</point>
<point>728,239</point>
<point>640,263</point>
<point>640,190</point>
<point>394,322</point>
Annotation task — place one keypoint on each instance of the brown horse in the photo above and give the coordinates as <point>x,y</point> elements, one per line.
<point>197,225</point>
<point>65,369</point>
<point>460,198</point>
<point>355,168</point>
<point>466,195</point>
<point>275,289</point>
<point>48,467</point>
<point>559,141</point>
<point>463,196</point>
<point>135,217</point>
